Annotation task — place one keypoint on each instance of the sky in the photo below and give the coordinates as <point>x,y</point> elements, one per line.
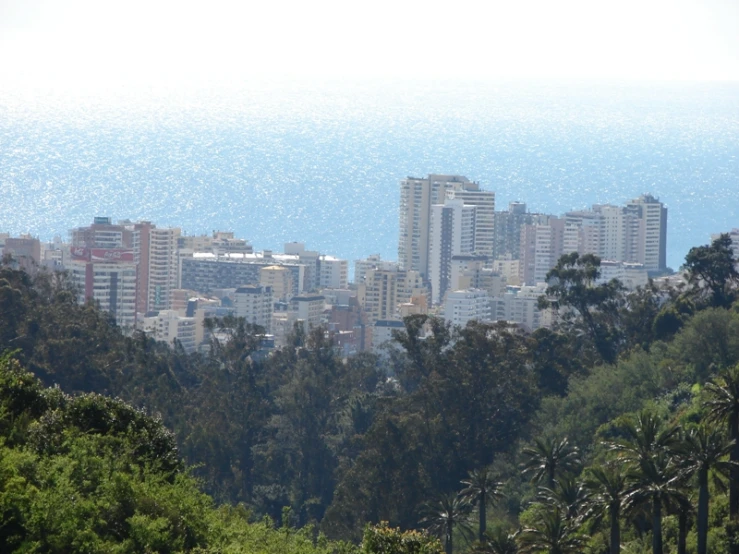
<point>97,44</point>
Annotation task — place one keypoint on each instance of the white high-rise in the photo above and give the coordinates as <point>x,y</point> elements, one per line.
<point>652,235</point>
<point>484,203</point>
<point>417,195</point>
<point>452,233</point>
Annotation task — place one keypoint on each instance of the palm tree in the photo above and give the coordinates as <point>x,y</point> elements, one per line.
<point>549,458</point>
<point>569,495</point>
<point>722,403</point>
<point>446,514</point>
<point>607,485</point>
<point>653,474</point>
<point>703,450</point>
<point>484,490</point>
<point>551,533</point>
<point>656,481</point>
<point>645,436</point>
<point>499,541</point>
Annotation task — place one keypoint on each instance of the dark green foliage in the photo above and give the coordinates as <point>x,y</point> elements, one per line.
<point>551,533</point>
<point>91,474</point>
<point>343,443</point>
<point>548,459</point>
<point>481,489</point>
<point>712,272</point>
<point>443,517</point>
<point>572,291</point>
<point>382,539</point>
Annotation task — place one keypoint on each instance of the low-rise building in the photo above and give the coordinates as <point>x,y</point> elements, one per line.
<point>462,306</point>
<point>255,304</point>
<point>169,326</point>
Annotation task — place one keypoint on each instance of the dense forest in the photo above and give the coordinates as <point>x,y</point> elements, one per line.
<point>615,431</point>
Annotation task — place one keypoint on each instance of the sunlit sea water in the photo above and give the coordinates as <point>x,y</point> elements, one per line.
<point>321,164</point>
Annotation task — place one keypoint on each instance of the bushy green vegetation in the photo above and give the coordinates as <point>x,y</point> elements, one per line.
<point>608,428</point>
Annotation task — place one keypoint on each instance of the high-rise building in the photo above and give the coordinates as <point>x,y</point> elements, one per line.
<point>734,236</point>
<point>169,326</point>
<point>417,195</point>
<point>541,247</point>
<point>484,202</point>
<point>507,236</point>
<point>652,231</point>
<point>473,272</point>
<point>583,232</point>
<point>155,252</point>
<point>107,276</point>
<point>102,234</point>
<point>102,265</point>
<point>452,233</point>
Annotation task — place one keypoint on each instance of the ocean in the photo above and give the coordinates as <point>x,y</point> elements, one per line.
<point>320,163</point>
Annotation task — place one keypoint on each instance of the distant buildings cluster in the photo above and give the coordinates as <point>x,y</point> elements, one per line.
<point>457,257</point>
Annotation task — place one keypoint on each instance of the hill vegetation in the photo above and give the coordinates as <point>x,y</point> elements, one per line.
<point>616,429</point>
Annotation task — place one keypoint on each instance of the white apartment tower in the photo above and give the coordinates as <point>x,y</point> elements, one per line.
<point>652,235</point>
<point>452,232</point>
<point>484,203</point>
<point>417,195</point>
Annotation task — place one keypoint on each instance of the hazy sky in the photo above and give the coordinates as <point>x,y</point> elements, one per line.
<point>80,44</point>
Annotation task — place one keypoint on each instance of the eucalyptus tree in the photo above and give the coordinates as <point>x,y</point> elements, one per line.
<point>482,489</point>
<point>549,458</point>
<point>573,286</point>
<point>712,269</point>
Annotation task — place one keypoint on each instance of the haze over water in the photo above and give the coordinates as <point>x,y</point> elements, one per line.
<point>321,164</point>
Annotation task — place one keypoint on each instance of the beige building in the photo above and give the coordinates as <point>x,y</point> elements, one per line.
<point>307,309</point>
<point>155,252</point>
<point>541,247</point>
<point>472,272</point>
<point>279,279</point>
<point>373,261</point>
<point>383,291</point>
